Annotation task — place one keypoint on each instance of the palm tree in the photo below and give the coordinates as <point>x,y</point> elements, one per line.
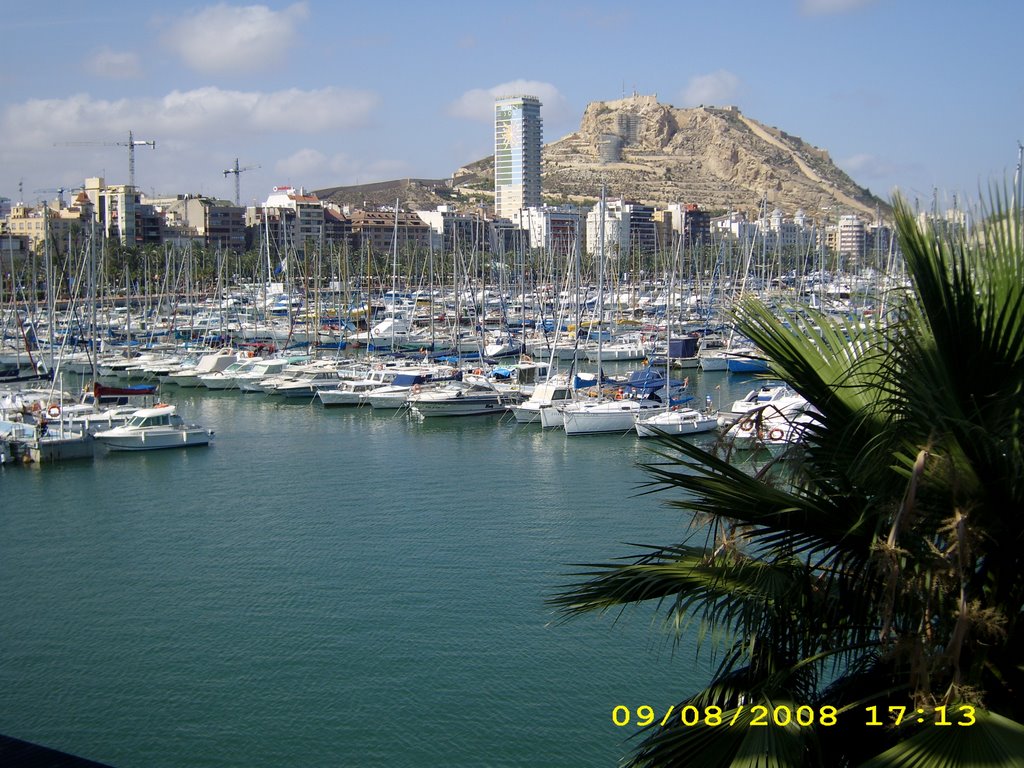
<point>868,590</point>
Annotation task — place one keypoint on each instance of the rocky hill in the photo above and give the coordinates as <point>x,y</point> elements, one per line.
<point>411,193</point>
<point>657,154</point>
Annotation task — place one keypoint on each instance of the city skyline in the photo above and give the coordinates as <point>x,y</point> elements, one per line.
<point>313,94</point>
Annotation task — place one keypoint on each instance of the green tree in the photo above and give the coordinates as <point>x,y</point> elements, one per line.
<point>879,571</point>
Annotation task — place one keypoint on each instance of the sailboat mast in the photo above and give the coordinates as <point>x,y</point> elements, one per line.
<point>394,276</point>
<point>600,286</point>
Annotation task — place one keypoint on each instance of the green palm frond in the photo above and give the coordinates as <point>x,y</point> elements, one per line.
<point>993,740</point>
<point>806,520</point>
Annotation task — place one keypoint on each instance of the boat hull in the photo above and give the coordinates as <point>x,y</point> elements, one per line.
<point>184,438</point>
<point>457,406</point>
<point>676,423</point>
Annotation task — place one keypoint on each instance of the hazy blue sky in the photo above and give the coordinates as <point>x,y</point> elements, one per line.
<point>915,94</point>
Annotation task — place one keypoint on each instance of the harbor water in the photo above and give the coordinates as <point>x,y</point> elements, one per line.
<point>332,587</point>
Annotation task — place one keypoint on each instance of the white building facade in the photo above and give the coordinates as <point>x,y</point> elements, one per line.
<point>518,141</point>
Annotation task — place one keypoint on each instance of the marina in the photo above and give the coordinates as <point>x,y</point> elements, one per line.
<point>328,586</point>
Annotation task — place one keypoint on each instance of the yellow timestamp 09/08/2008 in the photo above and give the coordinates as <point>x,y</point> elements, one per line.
<point>762,715</point>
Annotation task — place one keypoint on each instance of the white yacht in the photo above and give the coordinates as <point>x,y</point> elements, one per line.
<point>251,380</point>
<point>154,428</point>
<point>352,391</point>
<point>777,395</point>
<point>554,392</point>
<point>215,361</point>
<point>472,396</point>
<point>226,379</point>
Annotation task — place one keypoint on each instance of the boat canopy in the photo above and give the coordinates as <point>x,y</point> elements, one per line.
<point>409,379</point>
<point>649,380</point>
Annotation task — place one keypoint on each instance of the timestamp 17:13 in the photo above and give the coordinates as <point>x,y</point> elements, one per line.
<point>959,715</point>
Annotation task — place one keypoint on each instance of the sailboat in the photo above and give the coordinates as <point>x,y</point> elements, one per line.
<point>614,413</point>
<point>674,418</point>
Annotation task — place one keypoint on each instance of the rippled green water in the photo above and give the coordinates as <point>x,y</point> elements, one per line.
<point>328,588</point>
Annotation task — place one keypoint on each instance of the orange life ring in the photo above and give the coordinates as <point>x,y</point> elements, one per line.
<point>776,433</point>
<point>53,411</point>
<point>746,425</point>
<point>478,371</point>
<point>618,395</point>
<point>415,389</point>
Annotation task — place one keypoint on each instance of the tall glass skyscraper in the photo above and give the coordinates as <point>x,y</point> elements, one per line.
<point>518,138</point>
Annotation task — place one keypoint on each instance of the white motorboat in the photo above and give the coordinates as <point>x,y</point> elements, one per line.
<point>521,377</point>
<point>152,429</point>
<point>304,381</point>
<point>779,396</point>
<point>472,396</point>
<point>395,331</point>
<point>775,427</point>
<point>251,380</point>
<point>215,361</point>
<point>351,391</point>
<point>621,350</point>
<point>546,395</point>
<point>402,382</point>
<point>226,379</point>
<point>675,421</point>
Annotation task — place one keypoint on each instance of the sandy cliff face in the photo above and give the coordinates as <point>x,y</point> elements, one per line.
<point>715,157</point>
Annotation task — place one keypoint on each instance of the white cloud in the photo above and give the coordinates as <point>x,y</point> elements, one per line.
<point>829,7</point>
<point>230,39</point>
<point>478,103</point>
<point>187,114</point>
<point>312,169</point>
<point>290,111</point>
<point>301,164</point>
<point>116,65</point>
<point>716,88</point>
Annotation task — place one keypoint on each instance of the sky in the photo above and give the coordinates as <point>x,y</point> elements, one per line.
<point>923,96</point>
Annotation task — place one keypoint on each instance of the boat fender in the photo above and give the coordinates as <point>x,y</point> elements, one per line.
<point>776,433</point>
<point>53,411</point>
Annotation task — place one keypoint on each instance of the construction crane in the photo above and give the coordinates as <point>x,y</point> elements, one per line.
<point>238,172</point>
<point>59,191</point>
<point>132,143</point>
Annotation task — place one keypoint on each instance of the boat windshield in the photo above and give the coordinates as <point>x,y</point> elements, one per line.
<point>160,420</point>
